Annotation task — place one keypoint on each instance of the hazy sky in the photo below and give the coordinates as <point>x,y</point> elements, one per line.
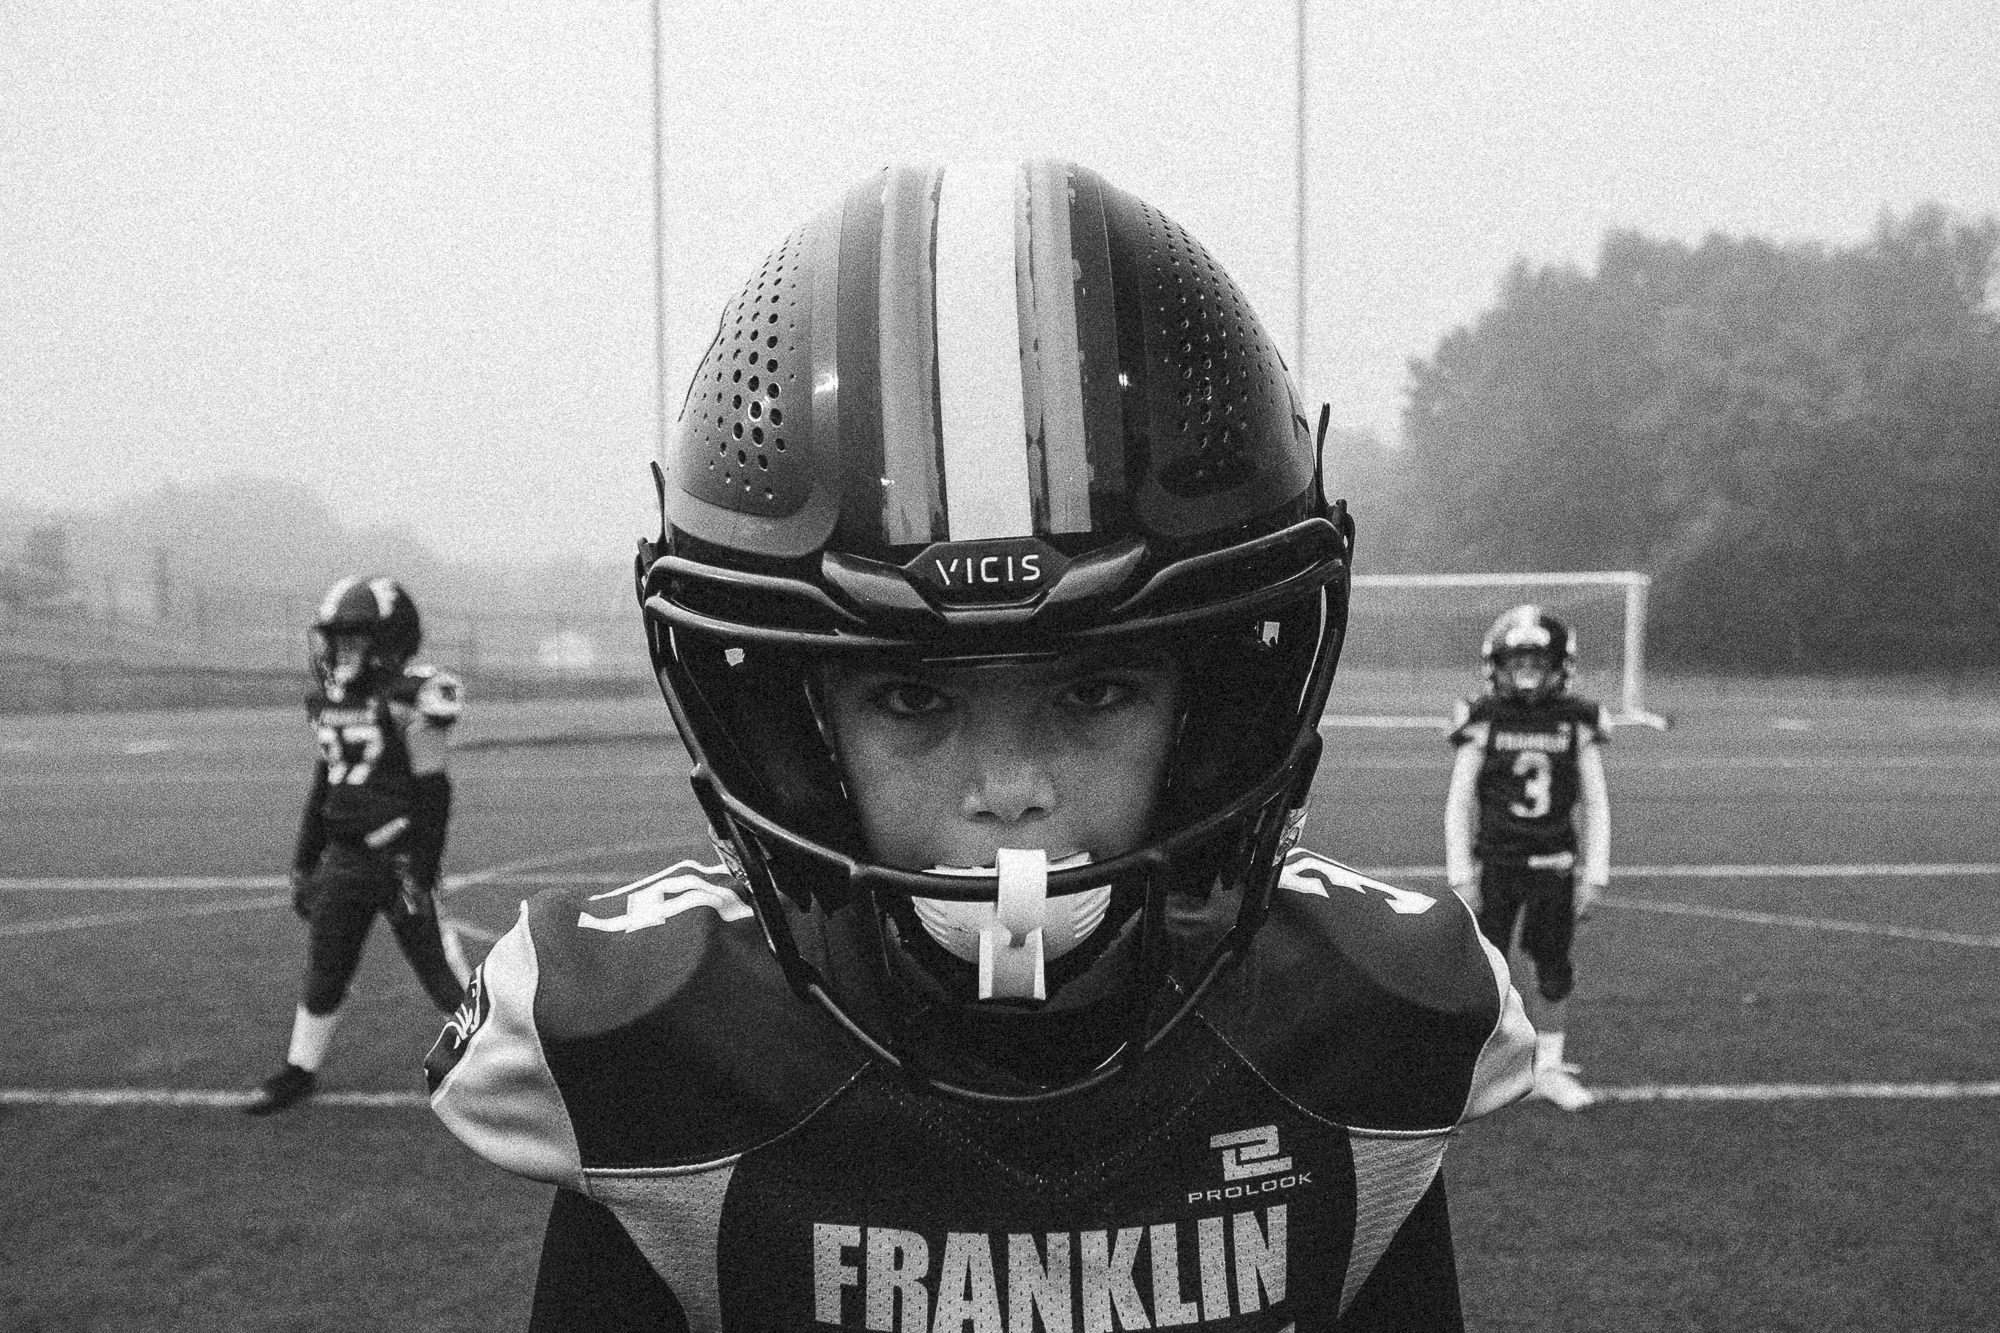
<point>402,252</point>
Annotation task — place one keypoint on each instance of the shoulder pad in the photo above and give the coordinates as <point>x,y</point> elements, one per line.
<point>664,995</point>
<point>617,954</point>
<point>1468,716</point>
<point>1399,1015</point>
<point>1309,872</point>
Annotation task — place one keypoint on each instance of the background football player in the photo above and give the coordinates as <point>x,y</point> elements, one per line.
<point>372,837</point>
<point>997,599</point>
<point>1529,771</point>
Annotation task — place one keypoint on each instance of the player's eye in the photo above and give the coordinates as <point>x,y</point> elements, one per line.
<point>1098,694</point>
<point>910,698</point>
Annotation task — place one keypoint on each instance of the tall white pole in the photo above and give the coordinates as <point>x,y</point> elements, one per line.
<point>1299,202</point>
<point>659,243</point>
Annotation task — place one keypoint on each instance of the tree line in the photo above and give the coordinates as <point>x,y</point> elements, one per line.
<point>1799,442</point>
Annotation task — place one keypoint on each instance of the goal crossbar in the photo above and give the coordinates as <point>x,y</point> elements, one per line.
<point>1633,586</point>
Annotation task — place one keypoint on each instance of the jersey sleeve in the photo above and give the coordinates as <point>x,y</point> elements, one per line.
<point>1461,816</point>
<point>1403,1018</point>
<point>489,1075</point>
<point>1594,813</point>
<point>1468,724</point>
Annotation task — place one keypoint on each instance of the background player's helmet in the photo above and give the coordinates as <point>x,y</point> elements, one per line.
<point>990,414</point>
<point>375,613</point>
<point>1528,633</point>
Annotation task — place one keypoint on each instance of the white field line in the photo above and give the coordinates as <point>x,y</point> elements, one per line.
<point>1797,1092</point>
<point>208,1099</point>
<point>175,1097</point>
<point>476,878</point>
<point>1906,869</point>
<point>519,874</point>
<point>245,883</point>
<point>54,925</point>
<point>1804,922</point>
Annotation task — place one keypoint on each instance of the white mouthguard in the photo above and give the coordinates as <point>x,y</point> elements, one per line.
<point>1013,937</point>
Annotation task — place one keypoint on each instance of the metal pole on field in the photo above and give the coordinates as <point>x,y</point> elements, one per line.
<point>659,243</point>
<point>1299,200</point>
<point>1635,642</point>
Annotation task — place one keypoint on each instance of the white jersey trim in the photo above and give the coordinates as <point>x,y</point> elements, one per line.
<point>501,1098</point>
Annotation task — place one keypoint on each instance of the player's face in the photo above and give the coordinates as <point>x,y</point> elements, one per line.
<point>1525,673</point>
<point>350,656</point>
<point>948,765</point>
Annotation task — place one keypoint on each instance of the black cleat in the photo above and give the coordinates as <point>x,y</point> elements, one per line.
<point>288,1087</point>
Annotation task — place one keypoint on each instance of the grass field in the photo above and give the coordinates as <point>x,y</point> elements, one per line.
<point>1792,1003</point>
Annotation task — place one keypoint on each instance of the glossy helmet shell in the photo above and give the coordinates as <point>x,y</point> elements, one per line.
<point>988,413</point>
<point>377,607</point>
<point>1529,628</point>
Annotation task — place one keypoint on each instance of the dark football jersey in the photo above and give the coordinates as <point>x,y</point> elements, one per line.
<point>641,1048</point>
<point>367,759</point>
<point>1528,776</point>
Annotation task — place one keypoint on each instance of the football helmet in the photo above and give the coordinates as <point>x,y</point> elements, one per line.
<point>1531,638</point>
<point>991,414</point>
<point>366,630</point>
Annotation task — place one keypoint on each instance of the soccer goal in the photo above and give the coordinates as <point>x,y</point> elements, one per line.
<point>1413,642</point>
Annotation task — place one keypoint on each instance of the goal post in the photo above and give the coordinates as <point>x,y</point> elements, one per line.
<point>1413,641</point>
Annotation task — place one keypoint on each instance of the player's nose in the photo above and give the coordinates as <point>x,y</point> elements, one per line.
<point>1009,779</point>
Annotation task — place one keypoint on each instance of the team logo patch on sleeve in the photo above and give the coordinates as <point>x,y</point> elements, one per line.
<point>1306,872</point>
<point>458,1029</point>
<point>658,898</point>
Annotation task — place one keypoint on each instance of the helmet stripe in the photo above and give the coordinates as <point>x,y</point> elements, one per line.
<point>912,453</point>
<point>1102,413</point>
<point>329,605</point>
<point>979,337</point>
<point>1052,371</point>
<point>385,591</point>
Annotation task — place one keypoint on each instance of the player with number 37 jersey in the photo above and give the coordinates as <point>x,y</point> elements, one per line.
<point>371,837</point>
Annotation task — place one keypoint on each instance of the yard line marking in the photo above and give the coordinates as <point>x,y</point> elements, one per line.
<point>1697,1092</point>
<point>492,874</point>
<point>1805,922</point>
<point>61,923</point>
<point>112,1097</point>
<point>1383,721</point>
<point>503,877</point>
<point>1914,869</point>
<point>472,880</point>
<point>1797,1092</point>
<point>146,883</point>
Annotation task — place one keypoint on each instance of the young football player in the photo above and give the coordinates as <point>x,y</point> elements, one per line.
<point>372,836</point>
<point>1528,772</point>
<point>996,600</point>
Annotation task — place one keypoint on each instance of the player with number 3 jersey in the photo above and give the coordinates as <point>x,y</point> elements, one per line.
<point>1529,772</point>
<point>371,839</point>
